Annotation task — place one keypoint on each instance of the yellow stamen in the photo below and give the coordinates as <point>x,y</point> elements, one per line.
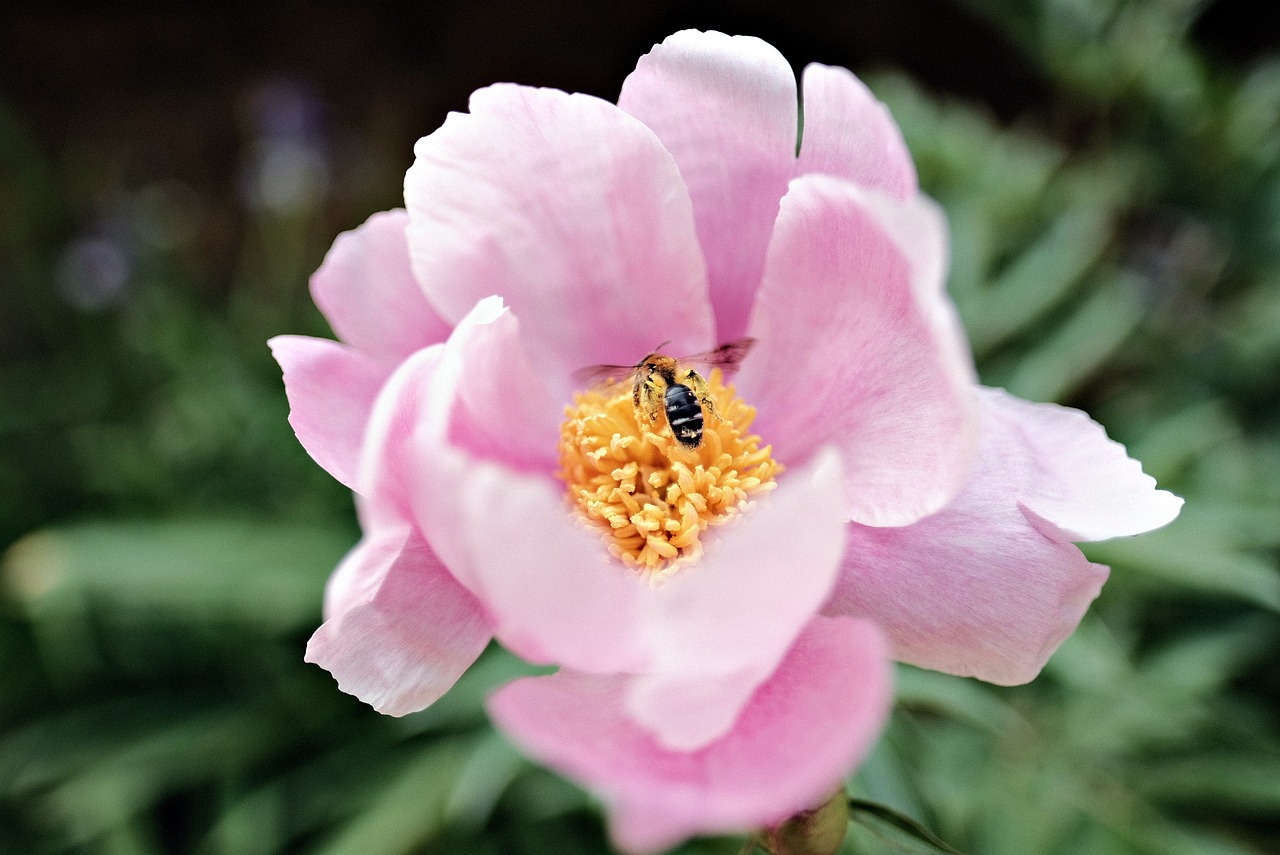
<point>649,496</point>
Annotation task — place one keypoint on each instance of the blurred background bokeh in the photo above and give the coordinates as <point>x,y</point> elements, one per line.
<point>169,177</point>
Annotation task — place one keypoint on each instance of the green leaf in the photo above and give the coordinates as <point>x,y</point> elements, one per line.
<point>960,698</point>
<point>897,828</point>
<point>412,808</point>
<point>1049,270</point>
<point>193,571</point>
<point>1080,344</point>
<point>115,785</point>
<point>485,775</point>
<point>1178,555</point>
<point>1219,781</point>
<point>1174,442</point>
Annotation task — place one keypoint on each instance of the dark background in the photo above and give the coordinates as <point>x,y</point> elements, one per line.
<point>140,93</point>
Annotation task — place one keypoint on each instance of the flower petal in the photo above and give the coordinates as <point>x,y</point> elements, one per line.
<point>571,211</point>
<point>850,134</point>
<point>552,591</point>
<point>367,291</point>
<point>726,108</point>
<point>983,588</point>
<point>386,470</point>
<point>720,627</point>
<point>498,409</point>
<point>968,591</point>
<point>399,629</point>
<point>799,734</point>
<point>331,389</point>
<point>858,347</point>
<point>503,411</point>
<point>356,578</point>
<point>1080,485</point>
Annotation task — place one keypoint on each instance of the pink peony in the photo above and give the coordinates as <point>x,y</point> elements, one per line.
<point>723,618</point>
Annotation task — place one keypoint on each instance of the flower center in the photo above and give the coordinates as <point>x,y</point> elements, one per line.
<point>650,494</point>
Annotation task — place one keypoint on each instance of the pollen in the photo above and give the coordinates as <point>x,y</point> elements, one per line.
<point>650,497</point>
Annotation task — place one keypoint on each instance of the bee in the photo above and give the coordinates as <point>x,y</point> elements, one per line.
<point>667,385</point>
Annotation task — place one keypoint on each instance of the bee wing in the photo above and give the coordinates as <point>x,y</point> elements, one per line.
<point>602,375</point>
<point>725,357</point>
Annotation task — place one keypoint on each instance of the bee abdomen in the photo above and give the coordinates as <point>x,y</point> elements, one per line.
<point>684,414</point>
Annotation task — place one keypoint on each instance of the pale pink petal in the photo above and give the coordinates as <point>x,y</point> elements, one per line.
<point>1078,484</point>
<point>500,410</point>
<point>720,627</point>
<point>726,107</point>
<point>857,347</point>
<point>357,577</point>
<point>399,629</point>
<point>973,590</point>
<point>386,471</point>
<point>331,389</point>
<point>504,411</point>
<point>367,291</point>
<point>553,592</point>
<point>849,134</point>
<point>571,211</point>
<point>981,588</point>
<point>799,734</point>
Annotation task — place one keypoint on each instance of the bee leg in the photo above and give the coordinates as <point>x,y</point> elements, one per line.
<point>701,391</point>
<point>649,400</point>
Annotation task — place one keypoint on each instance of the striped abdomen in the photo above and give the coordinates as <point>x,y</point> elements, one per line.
<point>684,414</point>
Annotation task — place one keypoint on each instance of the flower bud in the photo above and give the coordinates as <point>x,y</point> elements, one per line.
<point>819,831</point>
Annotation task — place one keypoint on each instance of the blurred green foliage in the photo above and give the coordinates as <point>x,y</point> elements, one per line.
<point>1118,251</point>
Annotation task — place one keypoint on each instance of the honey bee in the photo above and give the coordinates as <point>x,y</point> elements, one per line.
<point>667,385</point>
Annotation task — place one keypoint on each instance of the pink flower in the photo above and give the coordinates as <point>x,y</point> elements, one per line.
<point>723,618</point>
